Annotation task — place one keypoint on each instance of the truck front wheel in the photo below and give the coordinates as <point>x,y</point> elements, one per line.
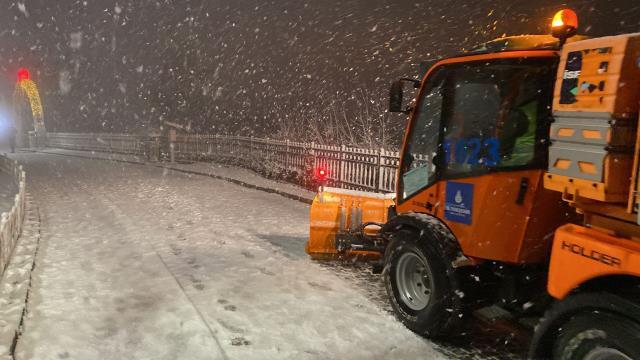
<point>598,336</point>
<point>418,284</point>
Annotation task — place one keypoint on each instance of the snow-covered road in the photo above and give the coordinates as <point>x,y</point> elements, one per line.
<point>143,263</point>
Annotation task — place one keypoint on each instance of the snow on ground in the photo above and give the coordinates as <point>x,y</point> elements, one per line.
<point>245,175</point>
<point>208,168</point>
<point>8,191</point>
<point>144,263</point>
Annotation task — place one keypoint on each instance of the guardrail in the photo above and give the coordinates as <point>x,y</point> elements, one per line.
<point>347,167</point>
<point>11,222</point>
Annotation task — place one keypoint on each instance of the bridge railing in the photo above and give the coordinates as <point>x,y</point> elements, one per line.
<point>347,167</point>
<point>11,222</point>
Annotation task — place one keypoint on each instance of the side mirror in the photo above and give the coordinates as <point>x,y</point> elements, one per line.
<point>424,68</point>
<point>395,96</point>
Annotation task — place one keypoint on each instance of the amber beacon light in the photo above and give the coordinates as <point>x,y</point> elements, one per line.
<point>564,25</point>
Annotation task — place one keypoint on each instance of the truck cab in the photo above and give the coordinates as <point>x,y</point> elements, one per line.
<point>478,136</point>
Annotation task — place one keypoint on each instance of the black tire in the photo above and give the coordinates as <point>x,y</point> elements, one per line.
<point>443,311</point>
<point>598,333</point>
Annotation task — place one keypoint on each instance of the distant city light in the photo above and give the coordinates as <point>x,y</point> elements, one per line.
<point>5,120</point>
<point>23,74</point>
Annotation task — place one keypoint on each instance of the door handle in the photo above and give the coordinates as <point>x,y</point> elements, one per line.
<point>429,206</point>
<point>522,192</point>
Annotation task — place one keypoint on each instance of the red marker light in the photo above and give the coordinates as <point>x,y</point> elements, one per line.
<point>321,174</point>
<point>23,74</point>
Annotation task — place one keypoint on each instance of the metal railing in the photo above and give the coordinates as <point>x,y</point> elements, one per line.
<point>347,167</point>
<point>122,143</point>
<point>11,222</point>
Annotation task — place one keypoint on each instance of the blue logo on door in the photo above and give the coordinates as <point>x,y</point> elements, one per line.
<point>458,205</point>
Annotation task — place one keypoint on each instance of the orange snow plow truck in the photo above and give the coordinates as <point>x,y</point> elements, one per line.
<point>517,187</point>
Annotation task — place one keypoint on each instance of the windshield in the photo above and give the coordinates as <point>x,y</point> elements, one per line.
<point>494,113</point>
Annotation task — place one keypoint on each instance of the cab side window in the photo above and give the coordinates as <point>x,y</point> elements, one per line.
<point>418,168</point>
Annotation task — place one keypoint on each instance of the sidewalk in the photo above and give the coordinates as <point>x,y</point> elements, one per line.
<point>236,175</point>
<point>16,284</point>
<point>8,191</point>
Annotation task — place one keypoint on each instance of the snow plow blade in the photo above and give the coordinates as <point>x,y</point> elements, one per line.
<point>343,222</point>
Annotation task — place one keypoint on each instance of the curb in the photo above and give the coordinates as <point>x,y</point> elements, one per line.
<point>194,172</point>
<point>241,183</point>
<point>15,288</point>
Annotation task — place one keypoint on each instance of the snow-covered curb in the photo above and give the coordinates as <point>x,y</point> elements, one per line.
<point>273,190</point>
<point>18,248</point>
<point>16,283</point>
<point>11,222</point>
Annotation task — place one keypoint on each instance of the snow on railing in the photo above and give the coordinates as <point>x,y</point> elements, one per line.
<point>11,222</point>
<point>123,143</point>
<point>347,167</point>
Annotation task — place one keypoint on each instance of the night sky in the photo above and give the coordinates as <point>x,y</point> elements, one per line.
<point>283,68</point>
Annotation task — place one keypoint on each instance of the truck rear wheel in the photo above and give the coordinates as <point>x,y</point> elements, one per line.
<point>418,284</point>
<point>598,336</point>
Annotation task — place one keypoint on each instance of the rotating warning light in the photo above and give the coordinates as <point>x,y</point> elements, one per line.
<point>23,74</point>
<point>564,24</point>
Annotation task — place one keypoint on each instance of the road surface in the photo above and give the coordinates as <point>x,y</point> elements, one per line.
<point>138,262</point>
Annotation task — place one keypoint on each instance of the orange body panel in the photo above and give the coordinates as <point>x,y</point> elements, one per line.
<point>603,113</point>
<point>608,63</point>
<point>616,190</point>
<point>333,209</point>
<point>500,228</point>
<point>580,254</point>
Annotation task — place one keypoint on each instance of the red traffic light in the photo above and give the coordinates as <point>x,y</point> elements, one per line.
<point>23,74</point>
